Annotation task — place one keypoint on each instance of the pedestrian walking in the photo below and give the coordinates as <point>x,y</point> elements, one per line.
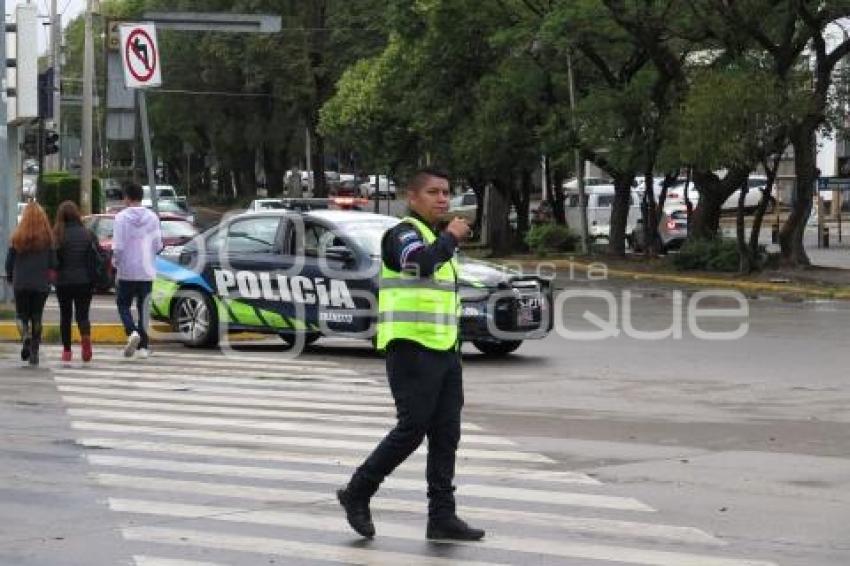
<point>30,264</point>
<point>418,308</point>
<point>136,240</point>
<point>75,280</point>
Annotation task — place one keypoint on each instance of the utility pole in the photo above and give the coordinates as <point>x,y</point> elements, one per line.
<point>88,102</point>
<point>582,198</point>
<point>6,194</point>
<point>55,161</point>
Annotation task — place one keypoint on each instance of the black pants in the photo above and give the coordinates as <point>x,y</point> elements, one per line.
<point>29,308</point>
<point>427,386</point>
<point>126,293</point>
<point>74,300</point>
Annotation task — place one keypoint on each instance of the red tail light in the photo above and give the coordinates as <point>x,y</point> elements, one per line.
<point>671,225</point>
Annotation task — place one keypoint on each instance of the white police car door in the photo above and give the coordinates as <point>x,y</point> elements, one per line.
<point>332,264</point>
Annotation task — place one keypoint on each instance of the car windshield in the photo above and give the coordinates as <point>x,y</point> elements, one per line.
<point>177,229</point>
<point>368,234</point>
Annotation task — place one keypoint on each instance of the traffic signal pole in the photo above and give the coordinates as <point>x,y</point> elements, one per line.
<point>8,206</point>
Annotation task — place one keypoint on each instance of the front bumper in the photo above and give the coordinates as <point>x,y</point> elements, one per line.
<point>520,311</point>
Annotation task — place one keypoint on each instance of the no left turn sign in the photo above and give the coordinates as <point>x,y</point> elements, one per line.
<point>140,56</point>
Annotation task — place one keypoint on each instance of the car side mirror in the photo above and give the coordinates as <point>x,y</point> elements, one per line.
<point>340,253</point>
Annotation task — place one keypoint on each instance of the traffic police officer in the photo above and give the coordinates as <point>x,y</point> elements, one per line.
<point>418,308</point>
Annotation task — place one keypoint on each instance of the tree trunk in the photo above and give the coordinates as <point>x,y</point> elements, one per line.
<point>522,204</point>
<point>317,155</point>
<point>758,217</point>
<point>746,260</point>
<point>478,186</point>
<point>792,232</point>
<point>274,162</point>
<point>620,215</point>
<point>499,234</point>
<point>713,193</point>
<point>556,197</point>
<point>649,213</point>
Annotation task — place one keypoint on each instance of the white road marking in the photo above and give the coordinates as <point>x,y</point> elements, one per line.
<point>465,490</point>
<point>566,523</point>
<point>629,555</point>
<point>272,440</point>
<point>263,455</point>
<point>278,425</point>
<point>344,554</point>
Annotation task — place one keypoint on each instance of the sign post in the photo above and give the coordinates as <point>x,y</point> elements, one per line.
<point>142,69</point>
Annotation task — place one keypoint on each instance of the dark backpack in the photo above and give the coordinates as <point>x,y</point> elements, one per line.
<point>97,266</point>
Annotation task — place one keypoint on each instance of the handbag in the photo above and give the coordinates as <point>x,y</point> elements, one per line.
<point>97,266</point>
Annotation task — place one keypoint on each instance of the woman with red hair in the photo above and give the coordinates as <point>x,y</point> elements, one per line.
<point>29,261</point>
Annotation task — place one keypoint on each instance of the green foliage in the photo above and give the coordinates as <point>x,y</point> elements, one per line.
<point>710,254</point>
<point>59,187</point>
<point>551,237</point>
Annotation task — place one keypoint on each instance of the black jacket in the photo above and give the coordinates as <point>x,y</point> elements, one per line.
<point>403,248</point>
<point>28,270</point>
<point>73,253</point>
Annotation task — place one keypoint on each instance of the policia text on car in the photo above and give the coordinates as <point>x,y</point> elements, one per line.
<point>418,309</point>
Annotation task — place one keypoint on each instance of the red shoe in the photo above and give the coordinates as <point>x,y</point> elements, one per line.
<point>86,348</point>
<point>66,355</point>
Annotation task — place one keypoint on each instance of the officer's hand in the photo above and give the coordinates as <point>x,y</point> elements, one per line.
<point>459,228</point>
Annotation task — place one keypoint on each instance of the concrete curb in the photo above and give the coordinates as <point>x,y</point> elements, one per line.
<point>700,281</point>
<point>105,333</point>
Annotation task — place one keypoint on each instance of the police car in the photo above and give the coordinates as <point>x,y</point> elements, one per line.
<point>304,275</point>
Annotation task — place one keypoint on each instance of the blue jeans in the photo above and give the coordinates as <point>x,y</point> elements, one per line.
<point>126,292</point>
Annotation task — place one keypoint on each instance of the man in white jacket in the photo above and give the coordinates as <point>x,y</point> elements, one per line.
<point>136,241</point>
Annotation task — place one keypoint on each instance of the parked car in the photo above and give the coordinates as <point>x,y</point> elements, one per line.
<point>756,186</point>
<point>672,229</point>
<point>176,231</point>
<point>383,189</point>
<point>464,205</point>
<point>600,200</point>
<point>163,192</point>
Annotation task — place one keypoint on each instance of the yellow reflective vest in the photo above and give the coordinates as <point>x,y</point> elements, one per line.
<point>422,309</point>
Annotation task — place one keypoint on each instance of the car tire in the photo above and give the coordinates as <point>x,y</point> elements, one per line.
<point>195,319</point>
<point>309,338</point>
<point>497,349</point>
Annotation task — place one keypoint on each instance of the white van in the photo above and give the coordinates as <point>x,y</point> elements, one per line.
<point>600,199</point>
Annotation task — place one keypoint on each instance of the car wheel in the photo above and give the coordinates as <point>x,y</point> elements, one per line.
<point>309,338</point>
<point>500,348</point>
<point>194,319</point>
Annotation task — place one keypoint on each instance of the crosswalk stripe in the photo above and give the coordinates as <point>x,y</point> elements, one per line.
<point>275,440</point>
<point>219,399</point>
<point>142,560</point>
<point>278,425</point>
<point>249,382</point>
<point>170,386</point>
<point>502,473</point>
<point>472,490</point>
<point>566,523</point>
<point>217,410</point>
<point>266,373</point>
<point>154,363</point>
<point>295,549</point>
<point>629,555</point>
<point>208,358</point>
<point>285,372</point>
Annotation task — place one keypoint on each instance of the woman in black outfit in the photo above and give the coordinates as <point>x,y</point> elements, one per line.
<point>74,285</point>
<point>29,262</point>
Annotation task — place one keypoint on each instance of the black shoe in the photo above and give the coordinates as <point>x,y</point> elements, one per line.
<point>25,350</point>
<point>452,528</point>
<point>34,358</point>
<point>357,512</point>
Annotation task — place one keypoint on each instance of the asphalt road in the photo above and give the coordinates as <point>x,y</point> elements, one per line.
<point>616,451</point>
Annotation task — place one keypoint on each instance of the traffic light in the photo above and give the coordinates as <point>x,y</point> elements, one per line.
<point>30,145</point>
<point>51,142</point>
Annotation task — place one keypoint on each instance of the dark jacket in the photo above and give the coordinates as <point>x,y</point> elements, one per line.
<point>28,270</point>
<point>73,253</point>
<point>403,248</point>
